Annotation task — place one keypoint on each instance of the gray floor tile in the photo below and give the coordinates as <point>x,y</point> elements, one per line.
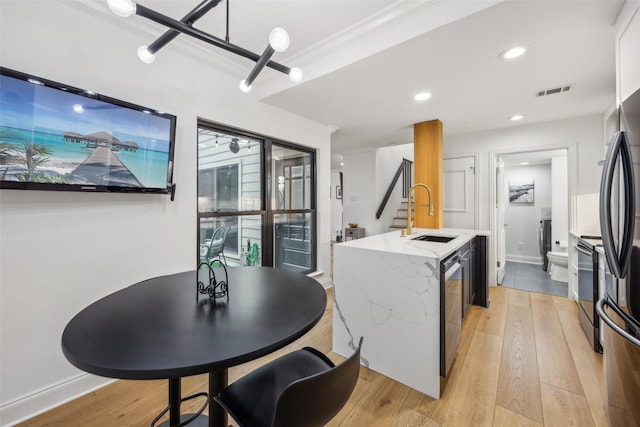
<point>531,277</point>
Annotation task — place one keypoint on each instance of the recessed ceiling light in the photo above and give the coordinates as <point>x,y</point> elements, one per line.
<point>516,117</point>
<point>341,163</point>
<point>524,163</point>
<point>514,52</point>
<point>422,96</point>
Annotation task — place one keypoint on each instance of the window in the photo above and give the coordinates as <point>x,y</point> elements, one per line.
<point>264,224</point>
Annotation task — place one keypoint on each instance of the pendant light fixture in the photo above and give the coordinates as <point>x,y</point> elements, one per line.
<point>278,38</point>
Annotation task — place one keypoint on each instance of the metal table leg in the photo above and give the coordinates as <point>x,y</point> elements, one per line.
<point>175,395</point>
<point>218,380</point>
<point>175,400</point>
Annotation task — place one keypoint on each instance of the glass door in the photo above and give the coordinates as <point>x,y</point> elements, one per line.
<point>293,202</point>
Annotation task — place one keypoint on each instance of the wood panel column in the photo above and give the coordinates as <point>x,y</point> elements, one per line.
<point>427,169</point>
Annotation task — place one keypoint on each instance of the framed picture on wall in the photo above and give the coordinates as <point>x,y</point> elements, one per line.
<point>338,192</point>
<point>521,192</point>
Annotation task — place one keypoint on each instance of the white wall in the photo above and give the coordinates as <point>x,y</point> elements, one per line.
<point>367,176</point>
<point>388,160</point>
<point>61,251</point>
<point>523,221</point>
<point>559,203</point>
<point>582,135</point>
<point>358,191</point>
<point>336,206</point>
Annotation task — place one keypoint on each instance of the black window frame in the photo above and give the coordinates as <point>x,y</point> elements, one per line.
<point>266,212</point>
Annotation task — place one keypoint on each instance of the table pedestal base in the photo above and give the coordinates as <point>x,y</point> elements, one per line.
<point>218,380</point>
<point>200,421</point>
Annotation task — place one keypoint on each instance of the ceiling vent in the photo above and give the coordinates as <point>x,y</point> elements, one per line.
<point>559,89</point>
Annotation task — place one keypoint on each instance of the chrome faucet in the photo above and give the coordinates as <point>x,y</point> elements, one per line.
<point>409,231</point>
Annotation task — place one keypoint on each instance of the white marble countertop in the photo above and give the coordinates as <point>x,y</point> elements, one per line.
<point>393,242</point>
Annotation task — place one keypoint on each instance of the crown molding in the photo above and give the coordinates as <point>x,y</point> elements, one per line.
<point>395,24</point>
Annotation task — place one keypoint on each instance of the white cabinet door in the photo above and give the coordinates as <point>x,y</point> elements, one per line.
<point>573,267</point>
<point>459,192</point>
<point>628,48</point>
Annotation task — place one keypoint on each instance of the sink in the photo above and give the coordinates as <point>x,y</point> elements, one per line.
<point>431,238</point>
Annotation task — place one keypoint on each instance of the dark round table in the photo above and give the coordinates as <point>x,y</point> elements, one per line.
<point>162,329</point>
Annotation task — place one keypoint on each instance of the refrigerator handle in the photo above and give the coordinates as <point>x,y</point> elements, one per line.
<point>618,258</point>
<point>606,183</point>
<point>629,205</point>
<point>613,325</point>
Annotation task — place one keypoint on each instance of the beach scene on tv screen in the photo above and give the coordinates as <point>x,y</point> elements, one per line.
<point>48,135</point>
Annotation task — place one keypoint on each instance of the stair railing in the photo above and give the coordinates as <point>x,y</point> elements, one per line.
<point>404,170</point>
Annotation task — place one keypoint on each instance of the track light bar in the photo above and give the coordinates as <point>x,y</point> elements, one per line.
<point>278,39</point>
<point>147,53</point>
<point>198,12</point>
<point>245,85</point>
<point>278,42</point>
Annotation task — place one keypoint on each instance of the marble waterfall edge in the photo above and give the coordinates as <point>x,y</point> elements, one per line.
<point>392,300</point>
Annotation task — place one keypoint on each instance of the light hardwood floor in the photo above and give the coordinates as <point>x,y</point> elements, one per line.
<point>522,362</point>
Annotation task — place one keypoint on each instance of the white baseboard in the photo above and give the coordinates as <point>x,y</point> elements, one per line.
<point>29,406</point>
<point>524,258</point>
<point>324,280</point>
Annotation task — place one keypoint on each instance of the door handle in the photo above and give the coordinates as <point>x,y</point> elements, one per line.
<point>617,257</point>
<point>613,325</point>
<point>629,205</point>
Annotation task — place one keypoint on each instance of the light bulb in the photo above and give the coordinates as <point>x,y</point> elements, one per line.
<point>145,55</point>
<point>279,39</point>
<point>295,75</point>
<point>122,8</point>
<point>514,52</point>
<point>422,96</point>
<point>244,87</point>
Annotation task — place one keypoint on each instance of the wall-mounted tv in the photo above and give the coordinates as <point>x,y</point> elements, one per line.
<point>58,137</point>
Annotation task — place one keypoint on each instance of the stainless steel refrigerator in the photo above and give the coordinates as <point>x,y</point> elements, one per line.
<point>619,308</point>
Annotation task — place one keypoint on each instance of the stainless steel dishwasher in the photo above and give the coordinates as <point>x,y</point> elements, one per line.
<point>451,310</point>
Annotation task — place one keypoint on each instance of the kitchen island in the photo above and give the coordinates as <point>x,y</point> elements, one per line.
<point>391,290</point>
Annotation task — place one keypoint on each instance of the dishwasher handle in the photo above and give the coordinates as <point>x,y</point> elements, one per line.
<point>451,270</point>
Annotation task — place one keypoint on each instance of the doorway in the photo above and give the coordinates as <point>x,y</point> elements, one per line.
<point>533,214</point>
